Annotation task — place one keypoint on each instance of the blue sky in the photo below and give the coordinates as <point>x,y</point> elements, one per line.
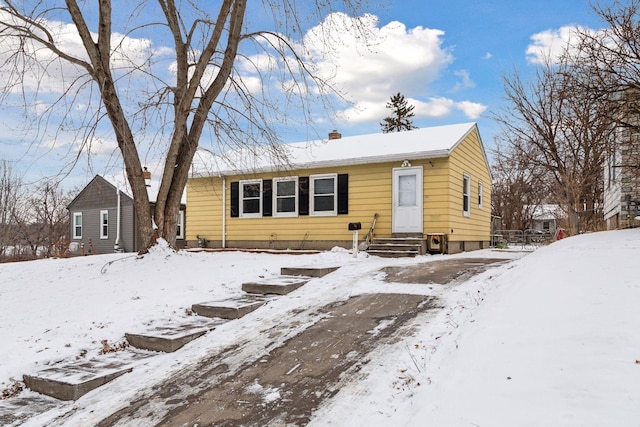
<point>446,57</point>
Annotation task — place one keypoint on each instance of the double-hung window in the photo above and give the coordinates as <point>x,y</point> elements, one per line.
<point>104,224</point>
<point>285,197</point>
<point>480,195</point>
<point>77,225</point>
<point>323,194</point>
<point>466,195</point>
<point>180,229</point>
<point>251,198</point>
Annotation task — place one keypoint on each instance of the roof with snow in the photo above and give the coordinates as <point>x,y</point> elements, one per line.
<point>121,182</point>
<point>425,143</point>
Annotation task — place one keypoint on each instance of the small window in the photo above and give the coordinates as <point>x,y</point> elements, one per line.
<point>480,195</point>
<point>104,224</point>
<point>323,200</point>
<point>250,199</point>
<point>466,190</point>
<point>285,197</point>
<point>77,225</point>
<point>180,229</point>
<point>546,225</point>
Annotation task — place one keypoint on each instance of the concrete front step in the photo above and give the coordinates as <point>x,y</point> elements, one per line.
<point>72,380</point>
<point>233,308</point>
<point>398,247</point>
<point>311,271</point>
<point>394,247</point>
<point>170,337</point>
<point>280,285</point>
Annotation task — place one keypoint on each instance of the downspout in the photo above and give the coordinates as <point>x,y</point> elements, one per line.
<point>224,216</point>
<point>116,246</point>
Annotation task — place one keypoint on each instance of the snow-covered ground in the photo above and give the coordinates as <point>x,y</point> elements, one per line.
<point>550,339</point>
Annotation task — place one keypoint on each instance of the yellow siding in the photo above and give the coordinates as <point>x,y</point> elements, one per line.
<point>468,157</point>
<point>370,191</point>
<point>370,188</point>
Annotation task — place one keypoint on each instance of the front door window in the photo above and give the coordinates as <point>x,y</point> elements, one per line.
<point>407,190</point>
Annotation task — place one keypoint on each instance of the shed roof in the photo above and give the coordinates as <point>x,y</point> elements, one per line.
<point>121,182</point>
<point>424,143</point>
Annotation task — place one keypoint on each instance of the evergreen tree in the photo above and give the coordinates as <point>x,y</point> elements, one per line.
<point>401,118</point>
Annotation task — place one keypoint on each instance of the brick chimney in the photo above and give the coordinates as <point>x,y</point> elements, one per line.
<point>335,135</point>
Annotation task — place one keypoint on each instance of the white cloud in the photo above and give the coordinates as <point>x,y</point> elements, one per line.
<point>433,108</point>
<point>472,110</point>
<point>44,72</point>
<point>395,59</point>
<point>548,46</point>
<point>465,80</point>
<point>487,55</point>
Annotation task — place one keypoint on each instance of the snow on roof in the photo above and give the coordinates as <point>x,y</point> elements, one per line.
<point>548,212</point>
<point>121,182</point>
<point>425,143</point>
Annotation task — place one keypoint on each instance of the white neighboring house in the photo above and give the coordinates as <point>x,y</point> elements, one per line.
<point>622,181</point>
<point>546,218</point>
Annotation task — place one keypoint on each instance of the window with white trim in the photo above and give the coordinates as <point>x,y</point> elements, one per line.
<point>77,225</point>
<point>323,195</point>
<point>104,224</point>
<point>480,194</point>
<point>180,228</point>
<point>251,198</point>
<point>466,195</point>
<point>285,197</point>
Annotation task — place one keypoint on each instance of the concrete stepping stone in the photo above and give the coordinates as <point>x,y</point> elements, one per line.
<point>17,410</point>
<point>233,308</point>
<point>280,285</point>
<point>70,381</point>
<point>170,337</point>
<point>311,271</point>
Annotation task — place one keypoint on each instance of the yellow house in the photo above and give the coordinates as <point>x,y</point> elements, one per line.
<point>421,183</point>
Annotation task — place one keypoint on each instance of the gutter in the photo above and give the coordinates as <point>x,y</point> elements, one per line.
<point>116,246</point>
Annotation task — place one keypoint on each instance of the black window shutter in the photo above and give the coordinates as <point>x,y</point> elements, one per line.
<point>235,200</point>
<point>303,195</point>
<point>267,197</point>
<point>343,194</point>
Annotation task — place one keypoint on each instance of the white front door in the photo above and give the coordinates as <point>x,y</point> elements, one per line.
<point>407,200</point>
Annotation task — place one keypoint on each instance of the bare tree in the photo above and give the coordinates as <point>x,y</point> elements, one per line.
<point>552,124</point>
<point>10,188</point>
<point>207,88</point>
<point>42,220</point>
<point>517,189</point>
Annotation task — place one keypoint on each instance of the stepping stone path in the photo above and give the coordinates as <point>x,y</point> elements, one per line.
<point>71,380</point>
<point>17,410</point>
<point>311,271</point>
<point>168,338</point>
<point>281,285</point>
